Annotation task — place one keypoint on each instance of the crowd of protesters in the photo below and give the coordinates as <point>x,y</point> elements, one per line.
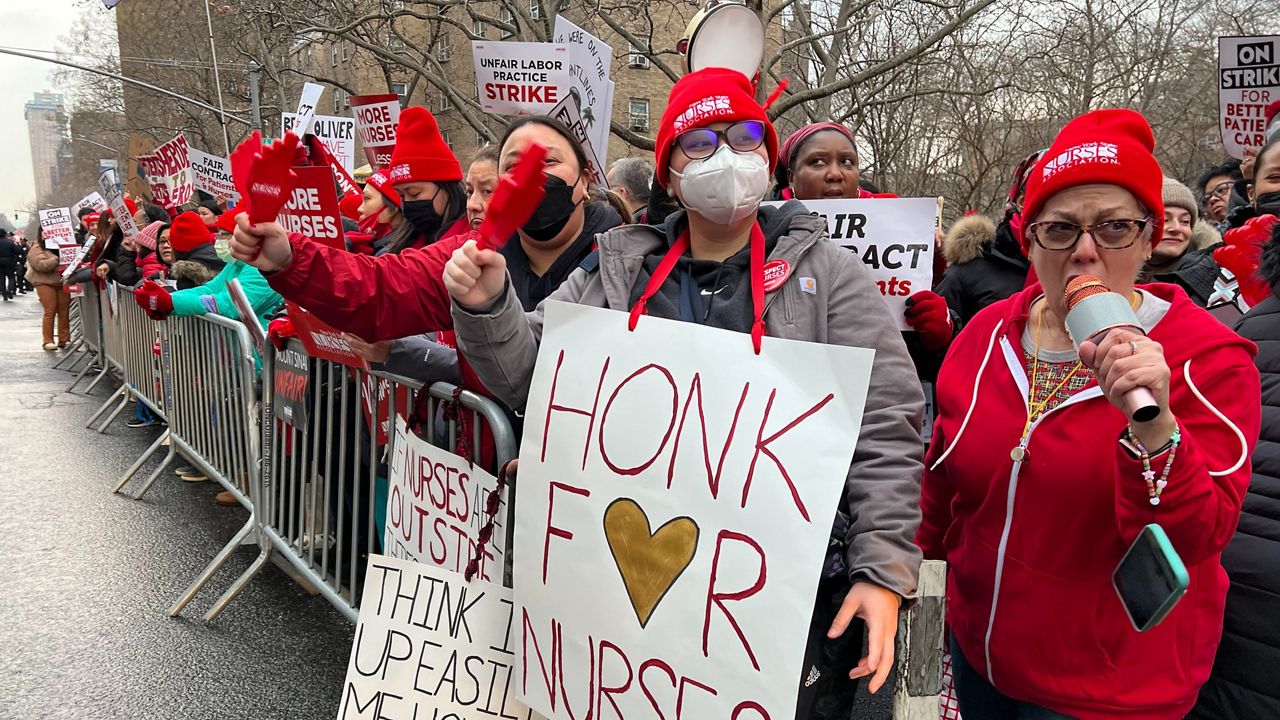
<point>1005,492</point>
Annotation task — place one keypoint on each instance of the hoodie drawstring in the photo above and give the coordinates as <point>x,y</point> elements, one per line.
<point>973,401</point>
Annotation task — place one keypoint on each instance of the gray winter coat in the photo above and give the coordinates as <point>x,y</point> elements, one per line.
<point>883,485</point>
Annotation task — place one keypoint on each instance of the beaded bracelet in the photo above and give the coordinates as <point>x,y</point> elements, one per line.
<point>1156,487</point>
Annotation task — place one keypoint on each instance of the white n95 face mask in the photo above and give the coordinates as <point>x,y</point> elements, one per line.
<point>725,187</point>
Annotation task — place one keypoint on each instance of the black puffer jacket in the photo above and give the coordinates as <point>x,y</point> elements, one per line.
<point>985,265</point>
<point>1243,683</point>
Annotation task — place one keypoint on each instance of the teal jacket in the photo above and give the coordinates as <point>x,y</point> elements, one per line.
<point>264,300</point>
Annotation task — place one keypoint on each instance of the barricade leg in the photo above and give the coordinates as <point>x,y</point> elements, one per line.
<point>151,480</point>
<point>124,403</point>
<point>137,465</point>
<point>83,372</point>
<point>106,368</point>
<point>241,582</point>
<point>72,352</point>
<point>103,407</point>
<point>213,567</point>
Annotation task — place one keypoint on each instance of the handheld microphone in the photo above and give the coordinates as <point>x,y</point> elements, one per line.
<point>1092,312</point>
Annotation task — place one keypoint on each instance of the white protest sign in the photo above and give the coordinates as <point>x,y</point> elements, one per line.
<point>306,111</point>
<point>892,236</point>
<point>168,171</point>
<point>56,227</point>
<point>1248,80</point>
<point>520,78</point>
<point>337,133</point>
<point>568,112</point>
<point>213,175</point>
<point>431,646</point>
<point>376,118</point>
<point>675,501</point>
<point>93,201</point>
<point>436,508</point>
<point>590,62</point>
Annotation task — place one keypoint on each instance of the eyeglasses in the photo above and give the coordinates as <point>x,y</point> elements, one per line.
<point>1108,234</point>
<point>1221,190</point>
<point>742,136</point>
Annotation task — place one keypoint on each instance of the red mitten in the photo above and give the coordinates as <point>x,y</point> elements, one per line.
<point>1241,253</point>
<point>271,179</point>
<point>280,330</point>
<point>514,200</point>
<point>154,300</point>
<point>928,315</point>
<point>361,243</point>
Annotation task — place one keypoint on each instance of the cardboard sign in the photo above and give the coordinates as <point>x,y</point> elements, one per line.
<point>321,339</point>
<point>520,78</point>
<point>312,209</point>
<point>436,508</point>
<point>67,255</point>
<point>212,174</point>
<point>290,387</point>
<point>92,200</point>
<point>337,133</point>
<point>568,112</point>
<point>676,496</point>
<point>244,309</point>
<point>376,118</point>
<point>168,172</point>
<point>590,62</point>
<point>892,236</point>
<point>431,646</point>
<point>306,111</point>
<point>56,227</point>
<point>1248,80</point>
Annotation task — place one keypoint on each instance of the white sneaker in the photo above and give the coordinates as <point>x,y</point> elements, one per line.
<point>50,346</point>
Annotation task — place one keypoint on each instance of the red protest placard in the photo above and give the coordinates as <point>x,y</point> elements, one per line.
<point>376,119</point>
<point>312,209</point>
<point>375,396</point>
<point>321,339</point>
<point>169,174</point>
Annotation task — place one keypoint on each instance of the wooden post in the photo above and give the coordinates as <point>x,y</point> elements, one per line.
<point>919,648</point>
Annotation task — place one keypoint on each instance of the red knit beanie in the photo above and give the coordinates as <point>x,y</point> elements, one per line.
<point>188,232</point>
<point>710,95</point>
<point>382,184</point>
<point>420,154</point>
<point>1106,147</point>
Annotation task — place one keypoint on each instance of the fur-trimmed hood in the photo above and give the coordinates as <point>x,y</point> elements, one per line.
<point>195,272</point>
<point>1204,235</point>
<point>968,238</point>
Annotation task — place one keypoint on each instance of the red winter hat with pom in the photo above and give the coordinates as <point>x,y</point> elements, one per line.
<point>421,154</point>
<point>382,184</point>
<point>188,232</point>
<point>710,95</point>
<point>1103,147</point>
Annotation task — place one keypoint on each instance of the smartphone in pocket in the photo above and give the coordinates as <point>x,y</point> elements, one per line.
<point>1150,579</point>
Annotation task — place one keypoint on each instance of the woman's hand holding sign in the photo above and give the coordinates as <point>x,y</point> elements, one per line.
<point>475,277</point>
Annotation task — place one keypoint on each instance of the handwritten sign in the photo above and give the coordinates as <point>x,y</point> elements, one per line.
<point>290,387</point>
<point>676,495</point>
<point>376,119</point>
<point>431,646</point>
<point>520,78</point>
<point>1248,81</point>
<point>590,63</point>
<point>212,174</point>
<point>306,111</point>
<point>569,112</point>
<point>92,201</point>
<point>338,134</point>
<point>436,508</point>
<point>892,236</point>
<point>56,227</point>
<point>168,172</point>
<point>312,209</point>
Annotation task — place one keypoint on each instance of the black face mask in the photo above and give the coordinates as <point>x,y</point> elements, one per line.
<point>553,213</point>
<point>422,215</point>
<point>1268,204</point>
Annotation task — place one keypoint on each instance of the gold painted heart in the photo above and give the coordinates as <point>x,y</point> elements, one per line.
<point>649,562</point>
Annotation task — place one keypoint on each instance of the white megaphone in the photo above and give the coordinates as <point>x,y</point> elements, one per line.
<point>726,34</point>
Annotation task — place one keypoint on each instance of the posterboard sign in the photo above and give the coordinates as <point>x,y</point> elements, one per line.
<point>306,111</point>
<point>337,133</point>
<point>436,508</point>
<point>321,339</point>
<point>290,387</point>
<point>676,495</point>
<point>67,255</point>
<point>590,62</point>
<point>569,112</point>
<point>92,201</point>
<point>212,174</point>
<point>520,78</point>
<point>168,171</point>
<point>56,227</point>
<point>892,236</point>
<point>376,119</point>
<point>313,209</point>
<point>1248,80</point>
<point>431,646</point>
<point>244,309</point>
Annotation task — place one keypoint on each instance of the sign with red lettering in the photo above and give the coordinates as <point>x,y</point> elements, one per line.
<point>93,200</point>
<point>676,496</point>
<point>321,339</point>
<point>893,237</point>
<point>312,209</point>
<point>430,645</point>
<point>212,174</point>
<point>436,508</point>
<point>520,78</point>
<point>291,388</point>
<point>338,134</point>
<point>56,227</point>
<point>376,119</point>
<point>375,400</point>
<point>1248,81</point>
<point>168,171</point>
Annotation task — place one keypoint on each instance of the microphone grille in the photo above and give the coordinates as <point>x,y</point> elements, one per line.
<point>1081,287</point>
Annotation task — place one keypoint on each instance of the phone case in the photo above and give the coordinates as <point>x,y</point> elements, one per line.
<point>1175,566</point>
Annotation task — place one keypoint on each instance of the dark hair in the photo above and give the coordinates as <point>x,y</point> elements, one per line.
<point>1230,168</point>
<point>634,174</point>
<point>207,202</point>
<point>456,195</point>
<point>154,213</point>
<point>86,210</point>
<point>1273,143</point>
<point>867,185</point>
<point>550,122</point>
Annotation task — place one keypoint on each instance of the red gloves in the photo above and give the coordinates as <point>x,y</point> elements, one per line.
<point>154,300</point>
<point>1241,253</point>
<point>280,330</point>
<point>928,315</point>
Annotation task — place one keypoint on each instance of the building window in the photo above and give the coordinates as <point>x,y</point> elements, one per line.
<point>562,5</point>
<point>333,55</point>
<point>636,58</point>
<point>508,17</point>
<point>395,43</point>
<point>337,100</point>
<point>481,140</point>
<point>638,114</point>
<point>477,28</point>
<point>535,9</point>
<point>444,135</point>
<point>345,53</point>
<point>444,103</point>
<point>346,101</point>
<point>442,47</point>
<point>402,91</point>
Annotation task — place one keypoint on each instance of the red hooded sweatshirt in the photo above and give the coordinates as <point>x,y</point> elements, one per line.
<point>1032,545</point>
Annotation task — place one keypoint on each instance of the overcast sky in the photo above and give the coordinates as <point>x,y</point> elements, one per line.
<point>36,26</point>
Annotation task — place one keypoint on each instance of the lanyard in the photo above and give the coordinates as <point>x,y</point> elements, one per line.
<point>679,248</point>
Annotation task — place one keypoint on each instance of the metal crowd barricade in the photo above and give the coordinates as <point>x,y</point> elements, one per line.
<point>91,332</point>
<point>75,351</point>
<point>316,492</point>
<point>128,340</point>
